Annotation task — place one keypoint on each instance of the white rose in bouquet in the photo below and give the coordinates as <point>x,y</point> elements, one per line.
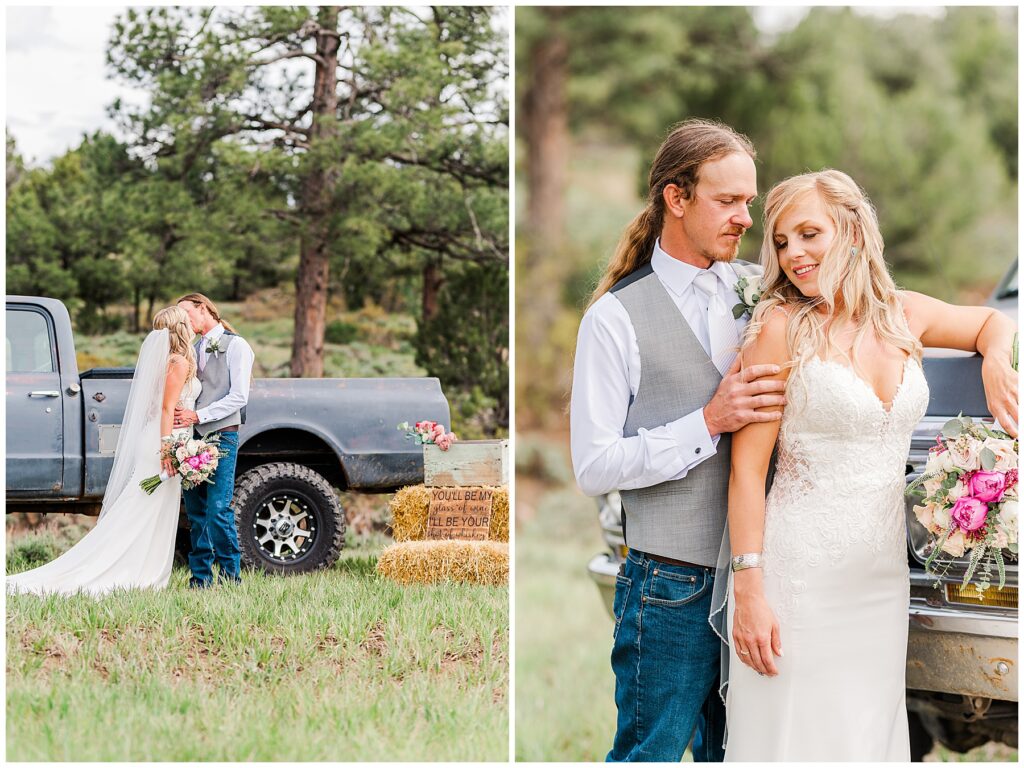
<point>965,452</point>
<point>925,514</point>
<point>955,544</point>
<point>945,462</point>
<point>957,491</point>
<point>1000,539</point>
<point>1008,518</point>
<point>180,454</point>
<point>1003,449</point>
<point>941,518</point>
<point>192,446</point>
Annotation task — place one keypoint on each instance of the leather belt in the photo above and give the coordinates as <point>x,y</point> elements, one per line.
<point>228,429</point>
<point>673,561</point>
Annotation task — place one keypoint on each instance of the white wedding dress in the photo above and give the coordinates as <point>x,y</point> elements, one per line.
<point>836,576</point>
<point>132,544</point>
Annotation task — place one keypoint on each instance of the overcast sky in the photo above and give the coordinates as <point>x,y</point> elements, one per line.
<point>57,84</point>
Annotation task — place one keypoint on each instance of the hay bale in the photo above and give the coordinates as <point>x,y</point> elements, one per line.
<point>432,562</point>
<point>499,515</point>
<point>410,505</point>
<point>409,513</point>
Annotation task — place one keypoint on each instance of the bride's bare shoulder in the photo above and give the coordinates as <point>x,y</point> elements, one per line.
<point>176,363</point>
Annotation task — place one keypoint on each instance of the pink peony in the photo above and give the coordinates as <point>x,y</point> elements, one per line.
<point>969,513</point>
<point>987,486</point>
<point>193,461</point>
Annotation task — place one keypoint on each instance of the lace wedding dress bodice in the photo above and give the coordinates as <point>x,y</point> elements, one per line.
<point>840,472</point>
<point>189,395</point>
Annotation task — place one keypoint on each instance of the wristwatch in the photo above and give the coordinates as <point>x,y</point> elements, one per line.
<point>748,560</point>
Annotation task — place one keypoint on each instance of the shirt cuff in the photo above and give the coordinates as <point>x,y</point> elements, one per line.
<point>203,416</point>
<point>693,440</point>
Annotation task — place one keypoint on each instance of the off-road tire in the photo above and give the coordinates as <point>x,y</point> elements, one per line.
<point>262,492</point>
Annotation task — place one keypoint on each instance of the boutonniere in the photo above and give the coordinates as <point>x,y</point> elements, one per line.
<point>749,291</point>
<point>214,346</point>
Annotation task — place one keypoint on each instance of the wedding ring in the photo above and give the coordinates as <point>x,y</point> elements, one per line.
<point>744,653</point>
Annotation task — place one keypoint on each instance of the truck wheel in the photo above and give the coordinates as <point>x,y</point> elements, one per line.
<point>289,519</point>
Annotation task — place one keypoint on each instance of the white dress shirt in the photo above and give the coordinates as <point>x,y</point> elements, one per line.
<point>240,360</point>
<point>606,376</point>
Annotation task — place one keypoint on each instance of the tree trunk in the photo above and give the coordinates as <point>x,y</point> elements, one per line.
<point>541,267</point>
<point>136,308</point>
<point>432,281</point>
<point>315,205</point>
<point>547,134</point>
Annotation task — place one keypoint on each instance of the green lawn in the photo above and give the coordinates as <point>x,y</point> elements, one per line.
<point>339,665</point>
<point>565,708</point>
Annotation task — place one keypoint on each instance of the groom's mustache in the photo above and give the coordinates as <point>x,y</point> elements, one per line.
<point>736,231</point>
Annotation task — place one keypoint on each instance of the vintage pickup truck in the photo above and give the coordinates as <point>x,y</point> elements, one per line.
<point>302,439</point>
<point>962,654</point>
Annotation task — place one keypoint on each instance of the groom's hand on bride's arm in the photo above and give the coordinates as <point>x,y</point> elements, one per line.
<point>184,418</point>
<point>741,394</point>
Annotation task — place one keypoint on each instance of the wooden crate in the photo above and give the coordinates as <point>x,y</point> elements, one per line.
<point>470,462</point>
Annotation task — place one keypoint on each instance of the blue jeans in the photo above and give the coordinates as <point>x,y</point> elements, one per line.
<point>212,521</point>
<point>666,660</point>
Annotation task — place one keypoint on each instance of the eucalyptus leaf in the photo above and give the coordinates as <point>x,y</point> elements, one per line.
<point>738,311</point>
<point>952,428</point>
<point>988,459</point>
<point>1000,565</point>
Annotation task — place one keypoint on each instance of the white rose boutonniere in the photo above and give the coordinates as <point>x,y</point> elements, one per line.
<point>748,288</point>
<point>214,347</point>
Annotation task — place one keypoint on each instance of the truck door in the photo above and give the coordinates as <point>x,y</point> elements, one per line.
<point>35,416</point>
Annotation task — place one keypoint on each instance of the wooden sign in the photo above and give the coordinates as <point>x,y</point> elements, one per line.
<point>459,513</point>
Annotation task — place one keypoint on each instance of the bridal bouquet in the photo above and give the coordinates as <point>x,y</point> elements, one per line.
<point>429,432</point>
<point>969,498</point>
<point>194,460</point>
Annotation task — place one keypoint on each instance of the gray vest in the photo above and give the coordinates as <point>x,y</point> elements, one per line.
<point>682,519</point>
<point>216,384</point>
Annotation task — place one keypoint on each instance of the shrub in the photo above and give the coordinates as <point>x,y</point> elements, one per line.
<point>341,332</point>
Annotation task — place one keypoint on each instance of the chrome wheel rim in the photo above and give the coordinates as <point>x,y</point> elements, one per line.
<point>284,528</point>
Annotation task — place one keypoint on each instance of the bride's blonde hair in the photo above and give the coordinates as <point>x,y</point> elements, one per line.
<point>178,326</point>
<point>856,287</point>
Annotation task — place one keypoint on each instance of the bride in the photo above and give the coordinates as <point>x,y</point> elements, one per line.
<point>132,544</point>
<point>820,588</point>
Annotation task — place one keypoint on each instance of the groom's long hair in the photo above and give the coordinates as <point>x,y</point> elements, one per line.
<point>198,298</point>
<point>688,146</point>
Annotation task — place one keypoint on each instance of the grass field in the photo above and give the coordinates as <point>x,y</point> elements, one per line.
<point>334,666</point>
<point>565,708</point>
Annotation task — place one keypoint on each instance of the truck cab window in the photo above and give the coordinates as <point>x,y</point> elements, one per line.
<point>28,346</point>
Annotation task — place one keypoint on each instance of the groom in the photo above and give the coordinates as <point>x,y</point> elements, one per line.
<point>656,394</point>
<point>224,361</point>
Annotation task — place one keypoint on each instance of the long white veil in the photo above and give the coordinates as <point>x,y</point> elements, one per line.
<point>139,439</point>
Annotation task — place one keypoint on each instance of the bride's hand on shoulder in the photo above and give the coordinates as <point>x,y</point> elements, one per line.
<point>1000,382</point>
<point>755,631</point>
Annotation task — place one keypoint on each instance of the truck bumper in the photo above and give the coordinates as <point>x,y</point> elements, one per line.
<point>603,569</point>
<point>963,652</point>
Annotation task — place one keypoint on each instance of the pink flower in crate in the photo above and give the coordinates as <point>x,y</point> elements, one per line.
<point>969,513</point>
<point>987,486</point>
